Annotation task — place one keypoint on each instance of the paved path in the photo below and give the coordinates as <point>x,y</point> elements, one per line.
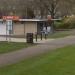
<point>14,57</point>
<point>23,40</point>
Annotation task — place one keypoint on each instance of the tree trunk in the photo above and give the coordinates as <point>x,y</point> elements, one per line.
<point>52,16</point>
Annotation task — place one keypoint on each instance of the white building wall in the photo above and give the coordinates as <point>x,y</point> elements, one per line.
<point>2,29</point>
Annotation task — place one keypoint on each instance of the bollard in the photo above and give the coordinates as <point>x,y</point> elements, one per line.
<point>45,36</point>
<point>46,33</point>
<point>36,37</point>
<point>41,36</point>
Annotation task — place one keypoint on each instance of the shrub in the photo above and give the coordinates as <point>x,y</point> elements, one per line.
<point>66,23</point>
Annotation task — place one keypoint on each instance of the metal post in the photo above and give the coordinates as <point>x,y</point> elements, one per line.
<point>36,37</point>
<point>6,31</point>
<point>41,36</point>
<point>45,36</point>
<point>9,35</point>
<point>25,33</point>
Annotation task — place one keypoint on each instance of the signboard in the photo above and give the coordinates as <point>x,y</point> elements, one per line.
<point>10,18</point>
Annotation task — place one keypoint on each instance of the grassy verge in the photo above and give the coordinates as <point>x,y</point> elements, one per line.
<point>11,46</point>
<point>58,62</point>
<point>59,34</point>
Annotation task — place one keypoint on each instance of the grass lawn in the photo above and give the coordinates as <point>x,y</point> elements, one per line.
<point>11,46</point>
<point>58,62</point>
<point>60,34</point>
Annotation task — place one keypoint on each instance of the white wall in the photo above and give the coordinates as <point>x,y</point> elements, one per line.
<point>2,29</point>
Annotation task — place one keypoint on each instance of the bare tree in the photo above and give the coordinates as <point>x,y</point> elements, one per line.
<point>41,7</point>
